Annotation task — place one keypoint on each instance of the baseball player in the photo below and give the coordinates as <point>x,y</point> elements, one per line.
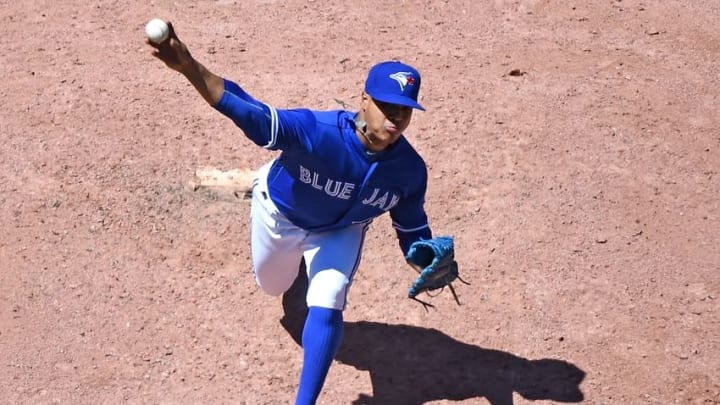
<point>336,172</point>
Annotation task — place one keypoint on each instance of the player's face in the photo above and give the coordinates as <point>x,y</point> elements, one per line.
<point>385,122</point>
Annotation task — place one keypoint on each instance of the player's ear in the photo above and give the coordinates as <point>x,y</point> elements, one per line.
<point>365,99</point>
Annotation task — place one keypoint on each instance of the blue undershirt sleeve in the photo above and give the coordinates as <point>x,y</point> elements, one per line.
<point>409,217</point>
<point>410,223</point>
<point>407,238</point>
<point>263,124</point>
<point>257,120</point>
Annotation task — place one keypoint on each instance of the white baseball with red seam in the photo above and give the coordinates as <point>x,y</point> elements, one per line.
<point>157,30</point>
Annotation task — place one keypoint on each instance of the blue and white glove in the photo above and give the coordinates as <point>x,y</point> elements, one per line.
<point>434,259</point>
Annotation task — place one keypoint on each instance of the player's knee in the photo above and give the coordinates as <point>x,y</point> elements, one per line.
<point>328,289</point>
<point>272,289</point>
<point>271,283</point>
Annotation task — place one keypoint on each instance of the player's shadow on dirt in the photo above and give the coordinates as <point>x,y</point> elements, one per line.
<point>410,365</point>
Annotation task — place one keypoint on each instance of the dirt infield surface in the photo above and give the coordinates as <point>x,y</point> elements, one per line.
<point>573,149</point>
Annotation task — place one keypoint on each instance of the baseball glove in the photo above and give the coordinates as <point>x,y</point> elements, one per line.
<point>434,259</point>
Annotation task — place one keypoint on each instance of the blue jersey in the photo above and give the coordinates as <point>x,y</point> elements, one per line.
<point>324,177</point>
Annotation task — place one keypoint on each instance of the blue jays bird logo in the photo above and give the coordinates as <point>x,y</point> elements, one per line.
<point>403,79</point>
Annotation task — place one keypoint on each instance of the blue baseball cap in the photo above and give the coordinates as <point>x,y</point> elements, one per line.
<point>395,83</point>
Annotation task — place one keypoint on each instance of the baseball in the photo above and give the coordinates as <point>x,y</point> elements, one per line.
<point>157,30</point>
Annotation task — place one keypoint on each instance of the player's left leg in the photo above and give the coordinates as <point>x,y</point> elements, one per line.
<point>275,242</point>
<point>332,258</point>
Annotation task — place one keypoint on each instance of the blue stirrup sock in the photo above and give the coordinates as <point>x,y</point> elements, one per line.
<point>321,339</point>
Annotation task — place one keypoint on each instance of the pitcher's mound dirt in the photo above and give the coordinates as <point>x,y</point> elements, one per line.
<point>573,152</point>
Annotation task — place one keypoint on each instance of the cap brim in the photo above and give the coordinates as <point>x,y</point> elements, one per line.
<point>397,99</point>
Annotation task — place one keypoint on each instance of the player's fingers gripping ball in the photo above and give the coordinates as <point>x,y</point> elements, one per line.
<point>435,260</point>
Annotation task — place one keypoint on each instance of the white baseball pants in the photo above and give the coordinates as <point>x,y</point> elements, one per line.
<point>331,258</point>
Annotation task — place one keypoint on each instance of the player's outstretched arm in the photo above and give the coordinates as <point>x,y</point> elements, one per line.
<point>175,54</point>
